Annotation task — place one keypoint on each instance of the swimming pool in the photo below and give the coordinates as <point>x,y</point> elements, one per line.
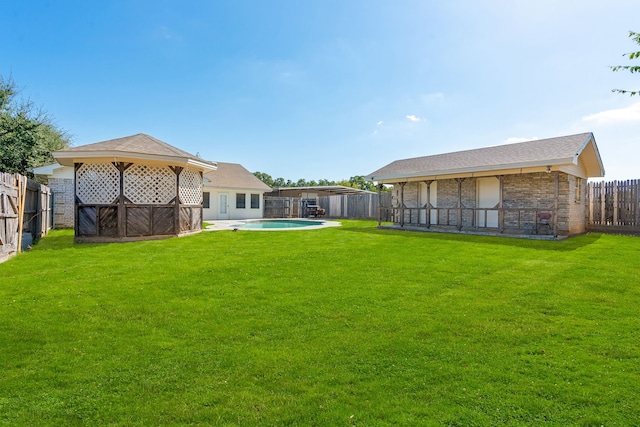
<point>278,224</point>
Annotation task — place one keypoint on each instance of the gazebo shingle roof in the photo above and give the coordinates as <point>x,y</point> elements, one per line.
<point>140,145</point>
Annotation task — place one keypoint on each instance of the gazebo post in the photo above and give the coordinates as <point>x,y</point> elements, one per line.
<point>122,213</point>
<point>176,212</point>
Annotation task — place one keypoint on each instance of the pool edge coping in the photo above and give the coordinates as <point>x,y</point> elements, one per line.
<point>230,224</point>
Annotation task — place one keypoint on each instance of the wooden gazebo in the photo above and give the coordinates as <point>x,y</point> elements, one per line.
<point>135,188</point>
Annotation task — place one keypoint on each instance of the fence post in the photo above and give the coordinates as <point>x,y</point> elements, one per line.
<point>603,196</point>
<point>22,193</point>
<point>591,195</point>
<point>615,202</point>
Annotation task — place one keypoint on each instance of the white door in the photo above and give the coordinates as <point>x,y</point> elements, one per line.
<point>488,193</point>
<point>433,193</point>
<point>223,206</point>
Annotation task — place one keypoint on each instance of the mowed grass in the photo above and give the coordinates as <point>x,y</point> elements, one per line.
<point>339,326</point>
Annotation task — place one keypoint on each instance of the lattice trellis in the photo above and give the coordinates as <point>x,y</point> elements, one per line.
<point>146,184</point>
<point>97,183</point>
<point>190,187</point>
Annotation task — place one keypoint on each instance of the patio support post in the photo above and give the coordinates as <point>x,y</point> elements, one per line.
<point>556,180</point>
<point>428,204</point>
<point>402,206</point>
<point>459,210</point>
<point>500,205</point>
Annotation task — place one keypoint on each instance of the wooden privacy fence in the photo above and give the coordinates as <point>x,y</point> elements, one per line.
<point>356,206</point>
<point>614,206</point>
<point>25,212</point>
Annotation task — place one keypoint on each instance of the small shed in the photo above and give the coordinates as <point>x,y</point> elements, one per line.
<point>134,188</point>
<point>232,192</point>
<point>529,188</point>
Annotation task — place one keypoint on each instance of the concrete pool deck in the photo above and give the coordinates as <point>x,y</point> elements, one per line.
<point>230,224</point>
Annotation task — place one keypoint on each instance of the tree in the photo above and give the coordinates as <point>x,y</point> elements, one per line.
<point>264,177</point>
<point>630,68</point>
<point>358,181</point>
<point>27,134</point>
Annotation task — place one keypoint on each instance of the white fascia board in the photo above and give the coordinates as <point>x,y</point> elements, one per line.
<point>442,174</point>
<point>68,158</point>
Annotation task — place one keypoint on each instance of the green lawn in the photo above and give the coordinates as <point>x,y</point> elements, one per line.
<point>338,326</point>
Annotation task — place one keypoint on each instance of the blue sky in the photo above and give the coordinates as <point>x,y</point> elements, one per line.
<point>330,89</point>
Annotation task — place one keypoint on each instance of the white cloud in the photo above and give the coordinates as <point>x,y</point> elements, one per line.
<point>379,123</point>
<point>415,118</point>
<point>516,139</point>
<point>628,114</point>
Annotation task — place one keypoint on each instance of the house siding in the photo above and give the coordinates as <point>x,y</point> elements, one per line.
<point>213,212</point>
<point>63,205</point>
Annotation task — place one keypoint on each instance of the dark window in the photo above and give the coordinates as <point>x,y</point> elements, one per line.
<point>241,200</point>
<point>255,201</point>
<point>205,200</point>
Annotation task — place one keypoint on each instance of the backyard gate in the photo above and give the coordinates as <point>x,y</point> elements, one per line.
<point>25,210</point>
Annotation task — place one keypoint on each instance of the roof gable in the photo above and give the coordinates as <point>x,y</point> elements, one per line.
<point>233,175</point>
<point>551,152</point>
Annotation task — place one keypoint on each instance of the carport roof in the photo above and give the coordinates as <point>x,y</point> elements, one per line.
<point>321,190</point>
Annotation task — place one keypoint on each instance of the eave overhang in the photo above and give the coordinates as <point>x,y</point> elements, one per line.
<point>506,169</point>
<point>68,158</point>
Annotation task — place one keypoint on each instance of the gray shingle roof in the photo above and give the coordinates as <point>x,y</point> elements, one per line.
<point>134,146</point>
<point>233,175</point>
<point>544,152</point>
<point>140,143</point>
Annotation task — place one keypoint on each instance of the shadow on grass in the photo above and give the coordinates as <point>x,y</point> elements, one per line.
<point>55,240</point>
<point>569,244</point>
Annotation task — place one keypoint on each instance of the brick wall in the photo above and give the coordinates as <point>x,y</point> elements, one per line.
<point>528,191</point>
<point>62,189</point>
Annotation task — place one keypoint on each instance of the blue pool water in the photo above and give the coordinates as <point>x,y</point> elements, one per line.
<point>277,223</point>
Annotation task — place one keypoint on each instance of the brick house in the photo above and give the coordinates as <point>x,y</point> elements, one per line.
<point>528,188</point>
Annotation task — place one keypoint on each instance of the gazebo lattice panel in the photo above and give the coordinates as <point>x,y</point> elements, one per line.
<point>190,187</point>
<point>147,184</point>
<point>97,183</point>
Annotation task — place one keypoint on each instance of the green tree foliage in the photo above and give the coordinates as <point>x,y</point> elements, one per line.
<point>630,68</point>
<point>357,181</point>
<point>27,134</point>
